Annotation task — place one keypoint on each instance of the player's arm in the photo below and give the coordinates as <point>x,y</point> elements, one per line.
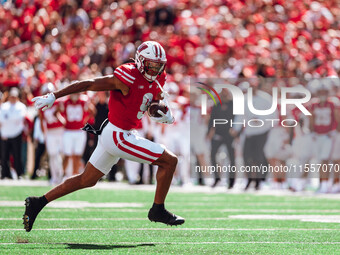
<point>42,127</point>
<point>59,116</point>
<point>91,111</point>
<point>104,83</point>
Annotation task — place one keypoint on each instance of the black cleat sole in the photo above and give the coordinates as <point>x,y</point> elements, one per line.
<point>26,217</point>
<point>177,223</point>
<point>32,209</point>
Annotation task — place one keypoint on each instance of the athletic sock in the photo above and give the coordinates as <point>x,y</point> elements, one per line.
<point>158,206</point>
<point>42,201</point>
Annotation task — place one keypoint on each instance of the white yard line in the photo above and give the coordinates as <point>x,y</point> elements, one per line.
<point>304,218</point>
<point>74,204</point>
<point>176,189</point>
<point>66,208</point>
<point>282,217</point>
<point>166,243</point>
<point>78,219</point>
<point>310,218</point>
<point>174,229</point>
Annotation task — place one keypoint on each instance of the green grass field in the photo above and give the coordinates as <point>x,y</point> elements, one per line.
<point>115,221</point>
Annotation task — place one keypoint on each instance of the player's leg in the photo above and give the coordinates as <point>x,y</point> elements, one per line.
<point>65,163</point>
<point>99,164</point>
<point>166,168</point>
<point>54,148</point>
<point>231,154</point>
<point>336,163</point>
<point>35,204</point>
<point>16,146</point>
<point>248,148</point>
<point>79,139</point>
<point>215,145</point>
<point>325,146</point>
<point>39,151</point>
<point>51,151</point>
<point>336,181</point>
<point>133,147</point>
<point>68,145</point>
<point>5,170</point>
<point>132,169</point>
<point>76,164</point>
<point>87,179</point>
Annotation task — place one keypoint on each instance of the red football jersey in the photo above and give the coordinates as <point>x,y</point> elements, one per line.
<point>127,111</point>
<point>49,117</point>
<point>75,113</point>
<point>324,119</point>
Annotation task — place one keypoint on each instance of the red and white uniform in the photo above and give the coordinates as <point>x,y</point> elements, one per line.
<point>324,124</point>
<point>75,113</point>
<point>50,119</point>
<point>54,142</point>
<point>54,130</point>
<point>125,113</point>
<point>324,116</point>
<point>132,167</point>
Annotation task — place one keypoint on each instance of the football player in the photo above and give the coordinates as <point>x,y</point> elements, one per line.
<point>76,110</point>
<point>132,87</point>
<point>302,142</point>
<point>52,125</point>
<point>323,125</point>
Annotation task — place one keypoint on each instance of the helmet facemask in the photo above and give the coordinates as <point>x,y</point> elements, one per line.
<point>152,69</point>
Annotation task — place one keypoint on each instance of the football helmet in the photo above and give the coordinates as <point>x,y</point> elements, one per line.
<point>150,60</point>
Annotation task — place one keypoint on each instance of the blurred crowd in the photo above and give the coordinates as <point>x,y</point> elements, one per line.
<point>50,41</point>
<point>60,41</point>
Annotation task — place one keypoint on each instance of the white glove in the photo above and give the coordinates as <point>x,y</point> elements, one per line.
<point>44,102</point>
<point>165,118</point>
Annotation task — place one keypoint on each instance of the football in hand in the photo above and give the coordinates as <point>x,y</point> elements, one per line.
<point>155,106</point>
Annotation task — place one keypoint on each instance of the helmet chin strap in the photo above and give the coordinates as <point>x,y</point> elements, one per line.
<point>149,77</point>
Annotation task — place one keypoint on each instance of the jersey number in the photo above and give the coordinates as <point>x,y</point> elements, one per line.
<point>74,113</point>
<point>49,116</point>
<point>323,116</point>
